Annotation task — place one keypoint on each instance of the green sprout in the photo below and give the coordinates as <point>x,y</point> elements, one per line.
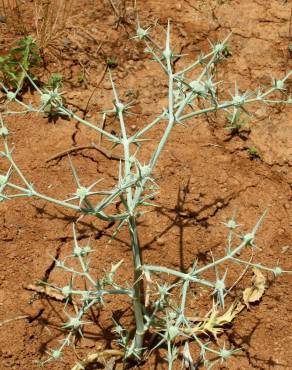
<point>235,122</point>
<point>81,77</point>
<point>111,63</point>
<point>55,81</point>
<point>252,152</point>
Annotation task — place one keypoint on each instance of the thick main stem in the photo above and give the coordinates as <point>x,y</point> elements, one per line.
<point>137,344</point>
<point>138,288</point>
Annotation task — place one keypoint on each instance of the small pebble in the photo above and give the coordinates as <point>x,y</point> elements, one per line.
<point>107,85</point>
<point>133,127</point>
<point>284,248</point>
<point>147,101</point>
<point>66,42</point>
<point>197,197</point>
<point>148,94</point>
<point>157,83</point>
<point>72,95</point>
<point>178,6</point>
<point>2,19</point>
<point>130,63</point>
<point>122,75</point>
<point>160,241</point>
<point>144,83</point>
<point>183,33</point>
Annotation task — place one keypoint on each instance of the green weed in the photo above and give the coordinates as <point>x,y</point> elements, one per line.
<point>252,152</point>
<point>55,81</point>
<point>18,62</point>
<point>235,122</point>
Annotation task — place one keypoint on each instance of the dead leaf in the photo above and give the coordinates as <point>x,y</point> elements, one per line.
<point>231,313</point>
<point>255,292</point>
<point>113,354</point>
<point>149,284</point>
<point>213,324</point>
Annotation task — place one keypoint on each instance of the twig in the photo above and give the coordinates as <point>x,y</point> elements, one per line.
<point>50,292</point>
<point>102,127</point>
<point>44,289</point>
<point>289,39</point>
<point>120,17</point>
<point>14,319</point>
<point>85,111</point>
<point>107,153</point>
<point>115,9</point>
<point>212,144</point>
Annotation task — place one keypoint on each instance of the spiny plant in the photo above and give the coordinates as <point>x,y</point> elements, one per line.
<point>235,122</point>
<point>54,84</point>
<point>19,61</point>
<point>155,310</point>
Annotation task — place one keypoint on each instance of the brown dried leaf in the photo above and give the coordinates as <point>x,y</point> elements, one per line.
<point>255,292</point>
<point>230,314</point>
<point>112,354</point>
<point>213,324</point>
<point>149,284</point>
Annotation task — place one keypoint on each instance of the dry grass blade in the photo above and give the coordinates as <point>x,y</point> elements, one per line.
<point>50,19</point>
<point>14,16</point>
<point>14,319</point>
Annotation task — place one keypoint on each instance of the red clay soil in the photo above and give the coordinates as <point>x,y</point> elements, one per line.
<point>204,173</point>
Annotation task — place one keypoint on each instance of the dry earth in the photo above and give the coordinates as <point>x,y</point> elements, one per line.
<point>204,173</point>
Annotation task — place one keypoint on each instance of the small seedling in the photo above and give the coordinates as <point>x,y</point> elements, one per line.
<point>55,81</point>
<point>235,122</point>
<point>111,63</point>
<point>52,99</point>
<point>81,78</point>
<point>252,152</point>
<point>18,62</point>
